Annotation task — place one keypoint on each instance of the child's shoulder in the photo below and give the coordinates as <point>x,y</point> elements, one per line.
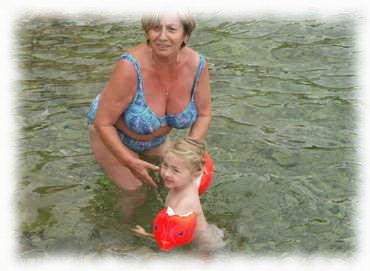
<point>185,205</point>
<point>192,204</point>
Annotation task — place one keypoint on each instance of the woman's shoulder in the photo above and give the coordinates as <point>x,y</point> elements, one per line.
<point>128,60</point>
<point>136,51</point>
<point>139,53</point>
<point>191,55</point>
<point>191,59</point>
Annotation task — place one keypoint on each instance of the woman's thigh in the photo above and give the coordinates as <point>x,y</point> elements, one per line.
<point>120,174</point>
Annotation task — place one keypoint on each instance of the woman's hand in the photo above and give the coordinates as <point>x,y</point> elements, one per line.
<point>139,168</point>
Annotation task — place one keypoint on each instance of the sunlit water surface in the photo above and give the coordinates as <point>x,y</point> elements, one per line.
<point>282,136</point>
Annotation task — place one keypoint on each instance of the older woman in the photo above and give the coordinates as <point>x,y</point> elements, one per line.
<point>154,87</point>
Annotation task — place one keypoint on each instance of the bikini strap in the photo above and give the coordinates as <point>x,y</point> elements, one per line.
<point>197,75</point>
<point>136,65</point>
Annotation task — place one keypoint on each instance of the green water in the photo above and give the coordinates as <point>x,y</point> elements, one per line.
<point>283,136</point>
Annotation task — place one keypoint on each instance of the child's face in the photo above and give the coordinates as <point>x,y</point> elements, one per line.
<point>176,172</point>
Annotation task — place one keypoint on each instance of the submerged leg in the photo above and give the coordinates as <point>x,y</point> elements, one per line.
<point>133,193</point>
<point>130,200</point>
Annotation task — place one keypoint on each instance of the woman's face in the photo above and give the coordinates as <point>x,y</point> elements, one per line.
<point>175,172</point>
<point>167,37</point>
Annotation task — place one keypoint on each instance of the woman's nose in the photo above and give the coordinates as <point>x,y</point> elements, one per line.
<point>163,34</point>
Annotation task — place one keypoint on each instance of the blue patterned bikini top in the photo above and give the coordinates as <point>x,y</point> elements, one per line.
<point>142,120</point>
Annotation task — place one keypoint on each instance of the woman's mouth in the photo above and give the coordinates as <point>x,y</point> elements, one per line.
<point>162,46</point>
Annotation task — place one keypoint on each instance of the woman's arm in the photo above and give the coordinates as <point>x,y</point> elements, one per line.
<point>204,107</point>
<point>115,98</point>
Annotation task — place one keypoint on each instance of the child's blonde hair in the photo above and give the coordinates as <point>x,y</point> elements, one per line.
<point>191,150</point>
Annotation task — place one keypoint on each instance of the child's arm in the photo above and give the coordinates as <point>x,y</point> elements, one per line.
<point>140,231</point>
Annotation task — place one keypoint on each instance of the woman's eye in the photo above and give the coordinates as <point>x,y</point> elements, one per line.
<point>156,28</point>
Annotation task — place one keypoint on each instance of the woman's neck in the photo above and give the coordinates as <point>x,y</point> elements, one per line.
<point>165,62</point>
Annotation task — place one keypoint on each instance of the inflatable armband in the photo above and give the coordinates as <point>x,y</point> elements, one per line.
<point>171,230</point>
<point>205,179</point>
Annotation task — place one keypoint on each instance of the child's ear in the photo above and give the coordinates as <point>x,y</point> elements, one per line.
<point>197,173</point>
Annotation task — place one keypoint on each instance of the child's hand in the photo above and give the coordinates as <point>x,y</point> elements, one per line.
<point>140,230</point>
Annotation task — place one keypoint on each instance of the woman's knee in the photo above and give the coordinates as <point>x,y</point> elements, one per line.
<point>128,184</point>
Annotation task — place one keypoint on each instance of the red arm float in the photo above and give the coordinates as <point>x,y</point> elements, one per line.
<point>171,230</point>
<point>205,179</point>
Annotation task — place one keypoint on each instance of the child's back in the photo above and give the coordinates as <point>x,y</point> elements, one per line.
<point>186,201</point>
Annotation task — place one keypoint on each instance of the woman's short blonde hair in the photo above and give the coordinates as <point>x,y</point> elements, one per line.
<point>150,21</point>
<point>190,150</point>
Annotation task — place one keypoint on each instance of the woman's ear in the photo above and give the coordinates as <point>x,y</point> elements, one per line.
<point>186,39</point>
<point>147,38</point>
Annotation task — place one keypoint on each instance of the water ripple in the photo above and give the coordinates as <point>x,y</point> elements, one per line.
<point>282,135</point>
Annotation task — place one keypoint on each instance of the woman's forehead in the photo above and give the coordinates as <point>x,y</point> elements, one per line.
<point>169,20</point>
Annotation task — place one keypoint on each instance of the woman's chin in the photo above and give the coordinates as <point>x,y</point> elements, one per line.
<point>164,52</point>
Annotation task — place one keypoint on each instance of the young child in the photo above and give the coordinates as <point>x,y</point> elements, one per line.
<point>181,166</point>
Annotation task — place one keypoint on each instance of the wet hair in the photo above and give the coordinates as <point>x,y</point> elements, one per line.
<point>150,21</point>
<point>190,150</point>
